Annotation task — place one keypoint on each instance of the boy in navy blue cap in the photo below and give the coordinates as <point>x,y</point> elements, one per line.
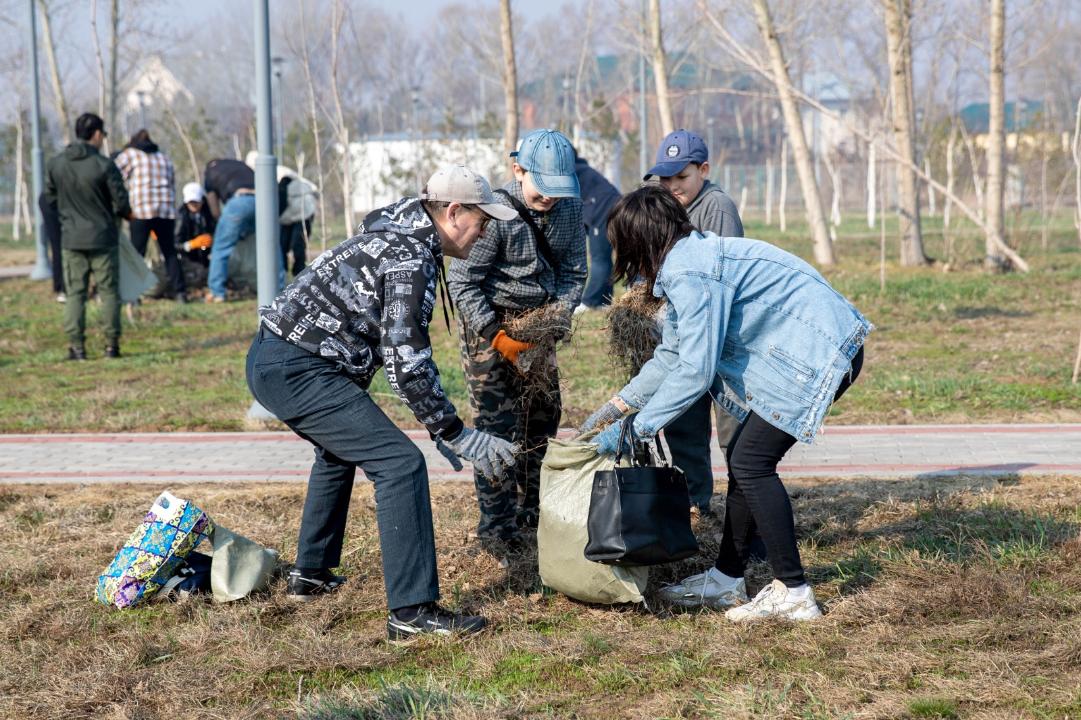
<point>536,259</point>
<point>683,169</point>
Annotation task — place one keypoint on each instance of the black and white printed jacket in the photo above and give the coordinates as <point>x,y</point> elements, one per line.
<point>367,303</point>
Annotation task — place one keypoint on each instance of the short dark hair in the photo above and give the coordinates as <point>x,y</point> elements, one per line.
<point>642,227</point>
<point>87,125</point>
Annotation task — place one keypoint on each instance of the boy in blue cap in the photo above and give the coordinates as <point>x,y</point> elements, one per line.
<point>533,260</point>
<point>683,169</point>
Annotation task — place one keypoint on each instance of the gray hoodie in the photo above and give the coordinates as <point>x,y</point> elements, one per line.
<point>713,211</point>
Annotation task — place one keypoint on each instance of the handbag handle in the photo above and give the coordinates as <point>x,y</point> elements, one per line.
<point>628,423</point>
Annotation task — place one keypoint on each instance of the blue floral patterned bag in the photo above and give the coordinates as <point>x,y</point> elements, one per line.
<point>154,552</point>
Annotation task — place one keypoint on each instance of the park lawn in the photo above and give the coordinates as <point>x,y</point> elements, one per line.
<point>944,598</point>
<point>952,347</point>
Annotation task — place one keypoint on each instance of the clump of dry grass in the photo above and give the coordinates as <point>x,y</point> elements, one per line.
<point>633,331</point>
<point>544,328</point>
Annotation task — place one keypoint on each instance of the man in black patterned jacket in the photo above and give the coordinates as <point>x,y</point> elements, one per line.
<point>363,305</point>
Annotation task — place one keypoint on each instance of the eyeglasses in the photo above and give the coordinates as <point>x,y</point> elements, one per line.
<point>485,219</point>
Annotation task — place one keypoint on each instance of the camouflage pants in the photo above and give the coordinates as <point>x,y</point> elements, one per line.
<point>516,408</point>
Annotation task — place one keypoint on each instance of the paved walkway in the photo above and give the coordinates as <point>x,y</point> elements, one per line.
<point>16,271</point>
<point>898,451</point>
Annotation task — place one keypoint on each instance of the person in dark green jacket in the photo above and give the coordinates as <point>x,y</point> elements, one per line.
<point>90,195</point>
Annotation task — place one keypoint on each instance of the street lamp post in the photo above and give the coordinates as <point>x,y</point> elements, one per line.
<point>267,256</point>
<point>277,61</point>
<point>41,270</point>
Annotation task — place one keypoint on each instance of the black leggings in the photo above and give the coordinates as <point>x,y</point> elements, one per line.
<point>163,229</point>
<point>757,499</point>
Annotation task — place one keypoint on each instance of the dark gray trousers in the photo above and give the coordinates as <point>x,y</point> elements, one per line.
<point>336,415</point>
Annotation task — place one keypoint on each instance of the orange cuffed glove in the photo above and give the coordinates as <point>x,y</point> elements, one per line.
<point>508,347</point>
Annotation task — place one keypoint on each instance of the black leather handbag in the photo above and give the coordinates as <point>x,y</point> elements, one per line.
<point>639,515</point>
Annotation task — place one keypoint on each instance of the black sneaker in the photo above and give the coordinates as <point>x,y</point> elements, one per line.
<point>112,351</point>
<point>76,353</point>
<point>305,587</point>
<point>429,618</point>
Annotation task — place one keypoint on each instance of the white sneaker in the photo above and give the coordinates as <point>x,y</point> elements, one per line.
<point>776,600</point>
<point>582,309</point>
<point>712,589</point>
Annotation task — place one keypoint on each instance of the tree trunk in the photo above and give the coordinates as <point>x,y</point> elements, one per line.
<point>783,201</point>
<point>872,185</point>
<point>898,15</point>
<point>951,144</point>
<point>660,67</point>
<point>996,142</point>
<point>339,115</point>
<point>98,57</point>
<point>977,176</point>
<point>812,200</point>
<point>930,188</point>
<point>114,60</point>
<point>16,226</point>
<point>186,139</point>
<point>835,194</point>
<point>769,191</point>
<point>510,78</point>
<point>54,74</point>
<point>313,118</point>
<point>1075,151</point>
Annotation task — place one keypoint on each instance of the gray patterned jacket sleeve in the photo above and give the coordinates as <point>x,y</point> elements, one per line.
<point>571,269</point>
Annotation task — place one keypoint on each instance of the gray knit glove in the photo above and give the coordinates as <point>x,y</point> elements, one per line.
<point>606,415</point>
<point>491,456</point>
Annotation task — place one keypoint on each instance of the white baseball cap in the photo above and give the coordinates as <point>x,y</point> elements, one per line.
<point>193,192</point>
<point>457,183</point>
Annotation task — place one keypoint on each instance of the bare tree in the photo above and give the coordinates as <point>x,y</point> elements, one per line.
<point>16,226</point>
<point>313,120</point>
<point>114,61</point>
<point>996,141</point>
<point>812,200</point>
<point>898,15</point>
<point>660,67</point>
<point>1075,152</point>
<point>510,77</point>
<point>341,127</point>
<point>98,57</point>
<point>59,97</point>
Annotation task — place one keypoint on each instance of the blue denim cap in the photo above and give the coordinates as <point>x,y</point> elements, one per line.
<point>548,157</point>
<point>677,150</point>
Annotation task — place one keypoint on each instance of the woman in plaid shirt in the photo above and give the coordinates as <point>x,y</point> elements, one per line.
<point>149,176</point>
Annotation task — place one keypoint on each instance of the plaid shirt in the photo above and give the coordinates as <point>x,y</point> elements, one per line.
<point>149,177</point>
<point>505,270</point>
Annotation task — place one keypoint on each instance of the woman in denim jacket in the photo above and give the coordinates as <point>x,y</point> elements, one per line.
<point>772,342</point>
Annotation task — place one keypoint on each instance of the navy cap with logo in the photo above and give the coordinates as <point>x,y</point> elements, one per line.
<point>677,150</point>
<point>548,157</point>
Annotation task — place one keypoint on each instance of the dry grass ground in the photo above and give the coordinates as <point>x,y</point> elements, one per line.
<point>948,598</point>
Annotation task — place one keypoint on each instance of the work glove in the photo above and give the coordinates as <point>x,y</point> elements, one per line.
<point>508,347</point>
<point>604,416</point>
<point>607,440</point>
<point>491,456</point>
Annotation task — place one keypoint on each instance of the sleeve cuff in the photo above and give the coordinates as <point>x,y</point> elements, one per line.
<point>450,432</point>
<point>488,332</point>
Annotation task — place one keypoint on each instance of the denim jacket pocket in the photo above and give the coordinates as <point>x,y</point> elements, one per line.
<point>801,372</point>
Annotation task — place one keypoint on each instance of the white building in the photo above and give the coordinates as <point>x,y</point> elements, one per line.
<point>394,166</point>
